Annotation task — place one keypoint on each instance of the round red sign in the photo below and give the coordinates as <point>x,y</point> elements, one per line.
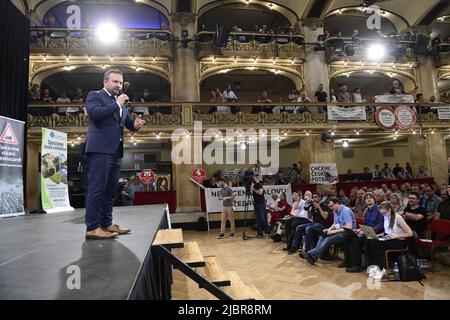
<point>385,117</point>
<point>199,174</point>
<point>147,176</point>
<point>405,117</point>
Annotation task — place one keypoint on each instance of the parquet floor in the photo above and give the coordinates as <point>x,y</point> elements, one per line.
<point>278,275</point>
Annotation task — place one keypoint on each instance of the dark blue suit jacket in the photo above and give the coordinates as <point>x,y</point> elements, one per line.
<point>105,130</point>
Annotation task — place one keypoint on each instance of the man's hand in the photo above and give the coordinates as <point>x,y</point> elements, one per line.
<point>139,122</point>
<point>122,99</point>
<point>317,205</point>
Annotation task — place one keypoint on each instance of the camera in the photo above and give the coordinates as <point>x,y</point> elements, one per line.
<point>248,179</point>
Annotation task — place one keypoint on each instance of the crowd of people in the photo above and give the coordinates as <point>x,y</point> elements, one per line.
<point>38,96</point>
<point>386,173</point>
<point>228,95</point>
<point>315,223</point>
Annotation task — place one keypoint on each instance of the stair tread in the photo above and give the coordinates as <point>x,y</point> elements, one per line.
<point>238,290</point>
<point>190,254</point>
<point>172,238</point>
<point>214,273</point>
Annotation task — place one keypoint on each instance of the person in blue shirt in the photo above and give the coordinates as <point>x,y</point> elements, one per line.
<point>343,218</point>
<point>353,245</point>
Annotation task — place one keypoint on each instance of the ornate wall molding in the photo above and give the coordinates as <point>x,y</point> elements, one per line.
<point>183,18</point>
<point>312,23</point>
<point>57,64</point>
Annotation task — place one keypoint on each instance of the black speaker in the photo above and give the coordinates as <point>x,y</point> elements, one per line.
<point>422,44</point>
<point>349,50</point>
<point>184,6</point>
<point>221,36</point>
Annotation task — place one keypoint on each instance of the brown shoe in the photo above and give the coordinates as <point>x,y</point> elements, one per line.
<point>100,234</point>
<point>117,229</point>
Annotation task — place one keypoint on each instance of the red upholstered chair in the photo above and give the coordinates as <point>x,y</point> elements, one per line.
<point>438,227</point>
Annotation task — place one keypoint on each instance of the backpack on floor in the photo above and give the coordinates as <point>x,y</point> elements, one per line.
<point>202,224</point>
<point>408,268</point>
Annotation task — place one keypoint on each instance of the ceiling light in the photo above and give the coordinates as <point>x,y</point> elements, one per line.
<point>376,52</point>
<point>345,143</point>
<point>107,33</point>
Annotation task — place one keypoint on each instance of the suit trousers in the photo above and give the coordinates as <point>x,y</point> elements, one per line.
<point>104,172</point>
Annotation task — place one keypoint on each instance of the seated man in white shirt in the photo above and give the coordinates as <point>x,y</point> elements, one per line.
<point>299,216</point>
<point>271,206</point>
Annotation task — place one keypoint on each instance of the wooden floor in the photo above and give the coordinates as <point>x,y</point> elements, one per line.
<point>276,275</point>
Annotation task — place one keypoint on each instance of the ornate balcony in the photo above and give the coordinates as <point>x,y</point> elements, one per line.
<point>83,41</point>
<point>312,117</point>
<point>247,44</point>
<point>443,55</point>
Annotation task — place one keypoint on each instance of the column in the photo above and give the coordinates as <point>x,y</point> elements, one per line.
<point>185,88</point>
<point>419,153</point>
<point>32,194</point>
<point>188,194</point>
<point>185,67</point>
<point>315,67</point>
<point>427,76</point>
<point>314,150</point>
<point>438,158</point>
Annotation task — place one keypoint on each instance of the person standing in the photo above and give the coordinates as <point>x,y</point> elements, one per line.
<point>107,115</point>
<point>259,207</point>
<point>227,212</point>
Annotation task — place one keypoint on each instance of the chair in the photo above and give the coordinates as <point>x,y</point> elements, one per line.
<point>360,221</point>
<point>438,227</point>
<point>386,254</point>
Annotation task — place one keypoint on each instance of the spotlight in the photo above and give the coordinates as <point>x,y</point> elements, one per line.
<point>158,135</point>
<point>135,143</point>
<point>345,143</point>
<point>89,58</point>
<point>72,144</point>
<point>243,146</point>
<point>107,33</point>
<point>376,52</point>
<point>78,138</point>
<point>285,133</point>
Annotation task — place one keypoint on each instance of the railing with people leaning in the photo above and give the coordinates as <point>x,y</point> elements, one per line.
<point>283,114</point>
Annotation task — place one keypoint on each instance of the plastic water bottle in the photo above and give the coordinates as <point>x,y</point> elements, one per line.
<point>396,272</point>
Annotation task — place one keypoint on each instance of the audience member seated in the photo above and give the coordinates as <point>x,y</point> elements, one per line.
<point>350,176</point>
<point>360,204</point>
<point>271,205</point>
<point>34,94</point>
<point>366,175</point>
<point>396,232</point>
<point>211,183</point>
<point>343,198</point>
<point>343,218</point>
<point>386,174</point>
<point>443,210</point>
<point>396,169</point>
<point>79,97</point>
<point>422,173</point>
<point>430,201</point>
<point>397,88</point>
<point>281,209</point>
<point>397,203</point>
<point>297,216</point>
<point>319,213</point>
<point>379,196</point>
<point>303,99</point>
<point>46,98</point>
<point>237,181</point>
<point>343,95</point>
<point>376,173</point>
<point>282,180</point>
<point>128,90</point>
<point>415,215</point>
<point>353,244</point>
<point>263,99</point>
<point>404,174</point>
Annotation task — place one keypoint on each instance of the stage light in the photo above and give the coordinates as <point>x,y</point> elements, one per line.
<point>78,138</point>
<point>107,33</point>
<point>279,139</point>
<point>44,57</point>
<point>111,58</point>
<point>345,143</point>
<point>158,135</point>
<point>154,59</point>
<point>254,60</point>
<point>376,52</point>
<point>133,58</point>
<point>285,133</point>
<point>67,58</point>
<point>307,132</point>
<point>274,60</point>
<point>235,60</point>
<point>135,143</point>
<point>243,146</point>
<point>72,144</point>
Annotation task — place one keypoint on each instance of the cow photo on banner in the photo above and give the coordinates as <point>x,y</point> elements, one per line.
<point>213,204</point>
<point>323,173</point>
<point>54,188</point>
<point>11,164</point>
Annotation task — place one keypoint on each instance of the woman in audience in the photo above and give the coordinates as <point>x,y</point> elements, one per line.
<point>356,96</point>
<point>360,204</point>
<point>396,203</point>
<point>396,231</point>
<point>281,210</point>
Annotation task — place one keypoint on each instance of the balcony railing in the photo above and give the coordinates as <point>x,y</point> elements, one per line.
<point>58,40</point>
<point>247,44</point>
<point>244,114</point>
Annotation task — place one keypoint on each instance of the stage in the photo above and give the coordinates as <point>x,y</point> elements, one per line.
<point>40,255</point>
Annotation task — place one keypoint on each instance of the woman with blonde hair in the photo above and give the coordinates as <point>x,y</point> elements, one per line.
<point>396,203</point>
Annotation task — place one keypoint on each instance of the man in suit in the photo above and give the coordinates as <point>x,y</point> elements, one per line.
<point>107,115</point>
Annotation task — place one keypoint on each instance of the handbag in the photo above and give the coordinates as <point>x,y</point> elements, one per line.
<point>408,268</point>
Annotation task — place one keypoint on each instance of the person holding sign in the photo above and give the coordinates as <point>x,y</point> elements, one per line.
<point>227,212</point>
<point>107,115</point>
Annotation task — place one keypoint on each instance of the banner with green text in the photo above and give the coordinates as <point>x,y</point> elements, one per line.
<point>54,188</point>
